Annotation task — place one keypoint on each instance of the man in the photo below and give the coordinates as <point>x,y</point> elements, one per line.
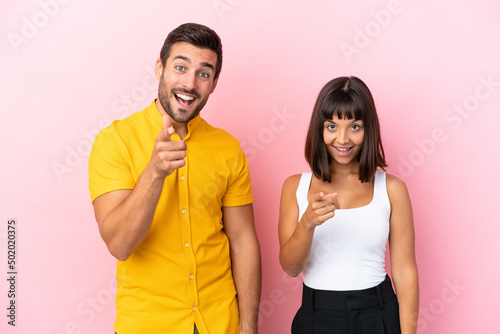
<point>173,202</point>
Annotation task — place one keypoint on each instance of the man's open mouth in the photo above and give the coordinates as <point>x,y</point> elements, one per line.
<point>184,100</point>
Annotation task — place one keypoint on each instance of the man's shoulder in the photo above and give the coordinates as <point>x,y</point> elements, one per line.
<point>134,120</point>
<point>138,122</point>
<point>218,134</point>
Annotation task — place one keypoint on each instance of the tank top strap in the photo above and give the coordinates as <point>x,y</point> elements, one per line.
<point>380,189</point>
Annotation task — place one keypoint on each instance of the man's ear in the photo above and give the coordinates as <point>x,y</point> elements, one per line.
<point>158,69</point>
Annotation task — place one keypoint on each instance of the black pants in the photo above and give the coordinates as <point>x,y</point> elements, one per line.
<point>369,311</point>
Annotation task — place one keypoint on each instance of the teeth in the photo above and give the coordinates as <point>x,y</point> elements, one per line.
<point>342,149</point>
<point>185,97</point>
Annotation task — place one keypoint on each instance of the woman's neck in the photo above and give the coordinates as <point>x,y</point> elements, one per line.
<point>351,168</point>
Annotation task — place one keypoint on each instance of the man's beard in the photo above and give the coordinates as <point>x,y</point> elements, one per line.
<point>164,97</point>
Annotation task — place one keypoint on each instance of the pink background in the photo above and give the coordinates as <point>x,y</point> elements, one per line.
<point>69,67</point>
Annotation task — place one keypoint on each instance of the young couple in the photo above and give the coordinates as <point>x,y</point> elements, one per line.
<point>172,199</point>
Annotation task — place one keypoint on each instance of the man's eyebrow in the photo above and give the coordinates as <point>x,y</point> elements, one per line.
<point>187,60</point>
<point>208,65</point>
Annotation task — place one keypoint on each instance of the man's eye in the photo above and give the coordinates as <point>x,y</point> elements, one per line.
<point>179,68</point>
<point>204,75</point>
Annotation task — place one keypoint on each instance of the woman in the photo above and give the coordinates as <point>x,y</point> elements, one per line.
<point>335,222</point>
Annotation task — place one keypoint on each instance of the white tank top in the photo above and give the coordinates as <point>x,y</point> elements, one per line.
<point>348,250</point>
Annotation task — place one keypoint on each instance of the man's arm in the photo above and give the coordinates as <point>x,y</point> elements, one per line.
<point>245,263</point>
<point>125,216</point>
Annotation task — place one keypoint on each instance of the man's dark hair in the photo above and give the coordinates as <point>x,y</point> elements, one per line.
<point>198,35</point>
<point>347,98</point>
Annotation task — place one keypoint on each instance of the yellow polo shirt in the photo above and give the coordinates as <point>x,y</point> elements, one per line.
<point>181,273</point>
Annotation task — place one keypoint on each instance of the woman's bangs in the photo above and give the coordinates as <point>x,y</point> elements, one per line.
<point>344,107</point>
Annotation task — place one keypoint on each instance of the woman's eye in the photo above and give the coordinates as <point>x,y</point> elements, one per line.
<point>356,127</point>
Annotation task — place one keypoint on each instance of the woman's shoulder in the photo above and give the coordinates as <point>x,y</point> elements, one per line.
<point>292,180</point>
<point>395,186</point>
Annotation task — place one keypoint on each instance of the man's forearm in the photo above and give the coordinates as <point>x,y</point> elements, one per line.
<point>125,227</point>
<point>247,275</point>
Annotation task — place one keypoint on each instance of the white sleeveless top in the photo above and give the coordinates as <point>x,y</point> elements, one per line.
<point>348,250</point>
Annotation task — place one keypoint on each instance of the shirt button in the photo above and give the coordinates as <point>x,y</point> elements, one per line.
<point>187,244</point>
<point>184,211</point>
<point>191,276</point>
<point>194,308</point>
<point>182,178</point>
